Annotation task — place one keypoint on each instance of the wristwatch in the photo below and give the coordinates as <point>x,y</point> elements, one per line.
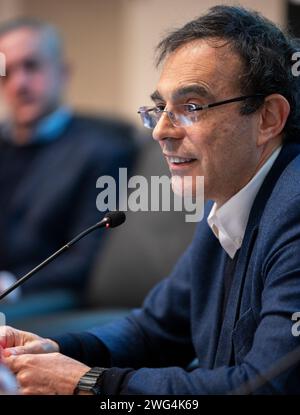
<point>91,381</point>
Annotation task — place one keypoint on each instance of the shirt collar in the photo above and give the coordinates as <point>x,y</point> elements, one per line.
<point>48,129</point>
<point>229,222</point>
<point>53,125</point>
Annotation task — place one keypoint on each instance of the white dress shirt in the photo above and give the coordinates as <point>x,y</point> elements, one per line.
<point>229,222</point>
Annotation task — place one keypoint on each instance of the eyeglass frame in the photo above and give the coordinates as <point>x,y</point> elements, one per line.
<point>196,107</point>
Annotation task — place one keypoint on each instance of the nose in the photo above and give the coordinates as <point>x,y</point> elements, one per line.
<point>164,129</point>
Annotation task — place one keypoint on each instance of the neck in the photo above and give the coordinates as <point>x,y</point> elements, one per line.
<point>23,133</point>
<point>267,151</point>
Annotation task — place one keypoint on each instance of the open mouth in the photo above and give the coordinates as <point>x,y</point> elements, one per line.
<point>180,161</point>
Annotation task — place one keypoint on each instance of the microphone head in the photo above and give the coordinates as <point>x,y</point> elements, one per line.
<point>115,218</point>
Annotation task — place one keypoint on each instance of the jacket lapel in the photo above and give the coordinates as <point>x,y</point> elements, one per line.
<point>224,351</point>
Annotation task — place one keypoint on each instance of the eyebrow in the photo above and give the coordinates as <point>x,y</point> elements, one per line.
<point>183,91</point>
<point>155,96</point>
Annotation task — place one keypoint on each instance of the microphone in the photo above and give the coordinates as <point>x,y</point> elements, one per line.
<point>110,220</point>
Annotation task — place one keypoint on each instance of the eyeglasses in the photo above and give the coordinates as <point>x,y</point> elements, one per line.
<point>183,114</point>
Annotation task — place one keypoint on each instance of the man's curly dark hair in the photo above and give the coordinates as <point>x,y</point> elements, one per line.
<point>265,50</point>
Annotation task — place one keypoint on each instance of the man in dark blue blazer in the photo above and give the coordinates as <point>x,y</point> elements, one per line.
<point>50,160</point>
<point>227,108</point>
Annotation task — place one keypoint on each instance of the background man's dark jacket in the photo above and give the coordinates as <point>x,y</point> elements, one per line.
<point>48,195</point>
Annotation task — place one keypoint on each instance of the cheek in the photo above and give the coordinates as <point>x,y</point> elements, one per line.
<point>40,83</point>
<point>215,146</point>
<point>207,140</point>
<point>44,82</point>
<point>8,89</point>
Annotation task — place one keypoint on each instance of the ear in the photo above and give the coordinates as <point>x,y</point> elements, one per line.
<point>273,116</point>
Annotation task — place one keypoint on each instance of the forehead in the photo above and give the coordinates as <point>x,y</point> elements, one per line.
<point>21,43</point>
<point>214,67</point>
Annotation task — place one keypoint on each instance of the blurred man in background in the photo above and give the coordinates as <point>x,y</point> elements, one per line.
<point>50,160</point>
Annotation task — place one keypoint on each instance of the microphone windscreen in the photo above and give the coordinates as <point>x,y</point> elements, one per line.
<point>115,218</point>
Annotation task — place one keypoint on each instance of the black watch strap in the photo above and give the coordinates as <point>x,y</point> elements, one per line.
<point>91,381</point>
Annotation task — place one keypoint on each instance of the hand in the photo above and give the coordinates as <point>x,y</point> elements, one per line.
<point>46,374</point>
<point>18,342</point>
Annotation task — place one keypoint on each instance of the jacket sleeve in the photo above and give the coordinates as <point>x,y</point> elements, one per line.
<point>159,333</point>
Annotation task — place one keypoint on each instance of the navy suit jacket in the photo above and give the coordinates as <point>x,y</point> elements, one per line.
<point>182,316</point>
